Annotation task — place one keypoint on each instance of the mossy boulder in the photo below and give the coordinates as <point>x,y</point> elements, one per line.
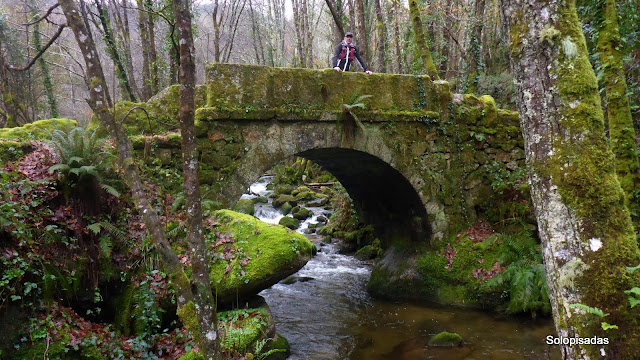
<point>368,252</point>
<point>281,199</point>
<point>300,189</point>
<point>260,255</point>
<point>301,213</point>
<point>245,206</point>
<point>285,208</point>
<point>38,130</point>
<point>283,189</point>
<point>307,195</point>
<point>289,222</point>
<point>260,200</point>
<point>446,339</point>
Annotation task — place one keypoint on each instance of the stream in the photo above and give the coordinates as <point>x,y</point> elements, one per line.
<point>327,314</point>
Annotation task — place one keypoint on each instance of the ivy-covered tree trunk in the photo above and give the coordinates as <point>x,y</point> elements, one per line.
<point>44,67</point>
<point>189,304</point>
<point>584,225</point>
<point>621,130</point>
<point>123,79</point>
<point>421,40</point>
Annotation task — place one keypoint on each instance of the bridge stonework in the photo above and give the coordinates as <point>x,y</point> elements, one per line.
<point>414,162</point>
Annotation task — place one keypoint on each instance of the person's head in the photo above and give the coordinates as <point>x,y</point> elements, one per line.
<point>348,37</point>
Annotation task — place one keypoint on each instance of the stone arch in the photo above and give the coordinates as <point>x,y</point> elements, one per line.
<point>382,194</point>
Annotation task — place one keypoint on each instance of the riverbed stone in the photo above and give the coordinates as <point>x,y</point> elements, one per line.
<point>245,206</point>
<point>446,339</point>
<point>302,214</point>
<point>286,208</point>
<point>289,222</point>
<point>260,200</point>
<point>261,255</point>
<point>281,199</point>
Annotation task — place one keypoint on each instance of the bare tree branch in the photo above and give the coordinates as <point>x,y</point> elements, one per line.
<point>40,53</point>
<point>43,16</point>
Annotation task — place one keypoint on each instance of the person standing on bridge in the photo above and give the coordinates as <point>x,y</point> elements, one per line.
<point>345,53</point>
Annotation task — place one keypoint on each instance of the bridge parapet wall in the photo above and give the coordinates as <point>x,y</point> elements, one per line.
<point>262,87</point>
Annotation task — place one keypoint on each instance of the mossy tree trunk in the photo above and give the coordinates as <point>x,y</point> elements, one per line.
<point>143,29</point>
<point>621,130</point>
<point>121,73</point>
<point>189,304</point>
<point>382,38</point>
<point>205,308</point>
<point>421,40</point>
<point>44,67</point>
<point>584,225</point>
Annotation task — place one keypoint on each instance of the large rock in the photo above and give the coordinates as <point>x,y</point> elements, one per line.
<point>245,206</point>
<point>289,222</point>
<point>280,200</point>
<point>258,256</point>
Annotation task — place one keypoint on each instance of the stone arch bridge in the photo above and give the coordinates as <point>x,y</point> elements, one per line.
<point>413,159</point>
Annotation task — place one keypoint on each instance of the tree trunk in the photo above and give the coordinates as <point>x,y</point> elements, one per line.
<point>44,68</point>
<point>143,28</point>
<point>100,101</point>
<point>153,56</point>
<point>123,23</point>
<point>200,284</point>
<point>584,225</point>
<point>363,37</point>
<point>621,129</point>
<point>475,41</point>
<point>337,17</point>
<point>421,40</point>
<point>396,36</point>
<point>382,38</point>
<point>123,79</point>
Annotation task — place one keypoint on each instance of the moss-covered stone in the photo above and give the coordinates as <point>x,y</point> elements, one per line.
<point>261,255</point>
<point>38,130</point>
<point>260,200</point>
<point>282,199</point>
<point>289,222</point>
<point>302,213</point>
<point>245,206</point>
<point>446,339</point>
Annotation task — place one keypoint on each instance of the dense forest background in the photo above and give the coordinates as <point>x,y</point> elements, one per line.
<point>138,46</point>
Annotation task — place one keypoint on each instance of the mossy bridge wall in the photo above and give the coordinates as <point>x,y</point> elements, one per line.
<point>414,164</point>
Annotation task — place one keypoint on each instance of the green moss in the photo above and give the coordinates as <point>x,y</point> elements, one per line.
<point>189,319</point>
<point>267,251</point>
<point>446,339</point>
<point>244,206</point>
<point>38,130</point>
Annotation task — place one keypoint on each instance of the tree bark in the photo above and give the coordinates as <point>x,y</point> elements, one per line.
<point>44,68</point>
<point>396,36</point>
<point>421,40</point>
<point>337,20</point>
<point>143,29</point>
<point>363,48</point>
<point>121,73</point>
<point>382,38</point>
<point>201,287</point>
<point>153,55</point>
<point>584,225</point>
<point>621,130</point>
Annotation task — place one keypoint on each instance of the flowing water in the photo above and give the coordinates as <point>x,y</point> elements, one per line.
<point>327,314</point>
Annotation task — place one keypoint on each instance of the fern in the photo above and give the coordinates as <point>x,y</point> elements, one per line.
<point>82,160</point>
<point>524,277</point>
<point>589,309</point>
